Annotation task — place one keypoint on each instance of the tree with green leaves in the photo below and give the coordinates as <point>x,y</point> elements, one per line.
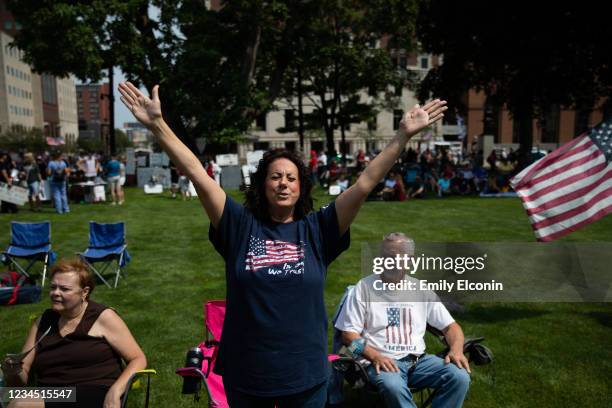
<point>522,55</point>
<point>19,139</point>
<point>218,69</point>
<point>344,53</point>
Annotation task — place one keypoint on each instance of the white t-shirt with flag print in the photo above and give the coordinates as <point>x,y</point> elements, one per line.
<point>395,329</point>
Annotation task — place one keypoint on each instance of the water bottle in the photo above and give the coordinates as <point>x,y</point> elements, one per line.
<point>191,385</point>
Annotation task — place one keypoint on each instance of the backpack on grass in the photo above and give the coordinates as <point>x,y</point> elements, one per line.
<point>17,289</point>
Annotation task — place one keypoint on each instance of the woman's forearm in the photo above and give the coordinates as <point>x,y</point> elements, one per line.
<point>180,154</point>
<point>383,162</point>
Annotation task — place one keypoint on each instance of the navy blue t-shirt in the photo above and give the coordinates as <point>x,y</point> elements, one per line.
<point>274,338</point>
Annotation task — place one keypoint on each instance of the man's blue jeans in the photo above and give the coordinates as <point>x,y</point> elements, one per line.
<point>60,198</point>
<point>451,382</point>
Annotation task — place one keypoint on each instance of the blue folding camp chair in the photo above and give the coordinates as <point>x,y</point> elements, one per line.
<point>31,242</point>
<point>106,244</point>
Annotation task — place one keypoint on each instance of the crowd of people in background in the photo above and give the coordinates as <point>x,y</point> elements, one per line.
<point>434,172</point>
<point>65,173</point>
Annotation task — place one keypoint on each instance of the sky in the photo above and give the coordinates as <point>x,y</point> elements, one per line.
<point>122,114</point>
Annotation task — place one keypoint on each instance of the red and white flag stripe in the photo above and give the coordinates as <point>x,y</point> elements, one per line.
<point>566,189</point>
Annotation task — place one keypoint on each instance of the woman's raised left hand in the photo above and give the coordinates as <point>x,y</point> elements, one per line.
<point>417,118</point>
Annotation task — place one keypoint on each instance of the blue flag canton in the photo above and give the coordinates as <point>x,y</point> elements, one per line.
<point>601,136</point>
<point>393,316</point>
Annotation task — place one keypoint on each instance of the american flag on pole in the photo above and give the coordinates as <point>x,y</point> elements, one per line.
<point>571,187</point>
<point>399,326</point>
<point>264,253</point>
<point>55,141</point>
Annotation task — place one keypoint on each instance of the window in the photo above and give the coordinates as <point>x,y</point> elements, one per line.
<point>8,25</point>
<point>290,146</point>
<point>397,117</point>
<point>403,61</point>
<point>261,146</point>
<point>48,89</point>
<point>372,124</point>
<point>289,119</point>
<point>260,122</point>
<point>424,62</point>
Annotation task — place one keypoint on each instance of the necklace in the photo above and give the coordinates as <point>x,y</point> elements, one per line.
<point>71,323</point>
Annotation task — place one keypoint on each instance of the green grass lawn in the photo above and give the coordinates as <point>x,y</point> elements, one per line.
<point>547,355</point>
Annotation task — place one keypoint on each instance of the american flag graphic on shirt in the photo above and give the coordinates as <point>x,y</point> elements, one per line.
<point>399,325</point>
<point>264,253</point>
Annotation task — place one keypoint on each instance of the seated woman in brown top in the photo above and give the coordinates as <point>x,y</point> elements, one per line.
<point>84,346</point>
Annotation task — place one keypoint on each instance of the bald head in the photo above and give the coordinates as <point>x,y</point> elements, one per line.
<point>397,243</point>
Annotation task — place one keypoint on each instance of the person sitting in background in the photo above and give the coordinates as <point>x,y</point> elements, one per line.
<point>342,182</point>
<point>417,190</point>
<point>82,344</point>
<point>394,187</point>
<point>443,186</point>
<point>334,171</point>
<point>389,189</point>
<point>411,173</point>
<point>460,185</point>
<point>399,192</point>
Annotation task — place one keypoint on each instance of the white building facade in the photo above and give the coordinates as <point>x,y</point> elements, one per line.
<point>264,133</point>
<point>67,109</point>
<point>19,89</point>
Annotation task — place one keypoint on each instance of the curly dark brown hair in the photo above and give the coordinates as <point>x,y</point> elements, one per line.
<point>255,195</point>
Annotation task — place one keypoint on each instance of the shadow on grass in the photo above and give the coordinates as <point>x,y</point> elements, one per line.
<point>605,319</point>
<point>498,314</point>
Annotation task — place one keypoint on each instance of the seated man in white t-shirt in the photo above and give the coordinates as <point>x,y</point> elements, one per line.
<point>393,328</point>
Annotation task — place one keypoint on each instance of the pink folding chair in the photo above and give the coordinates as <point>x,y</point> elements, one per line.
<point>214,314</point>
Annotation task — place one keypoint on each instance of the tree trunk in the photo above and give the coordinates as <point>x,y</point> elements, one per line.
<point>524,120</point>
<point>300,109</point>
<point>111,98</point>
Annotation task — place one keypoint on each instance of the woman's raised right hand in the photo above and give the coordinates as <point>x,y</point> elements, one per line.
<point>146,110</point>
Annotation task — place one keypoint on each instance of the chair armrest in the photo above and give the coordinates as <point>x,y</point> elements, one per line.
<point>190,372</point>
<point>134,383</point>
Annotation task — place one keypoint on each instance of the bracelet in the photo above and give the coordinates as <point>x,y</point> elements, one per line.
<point>356,347</point>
